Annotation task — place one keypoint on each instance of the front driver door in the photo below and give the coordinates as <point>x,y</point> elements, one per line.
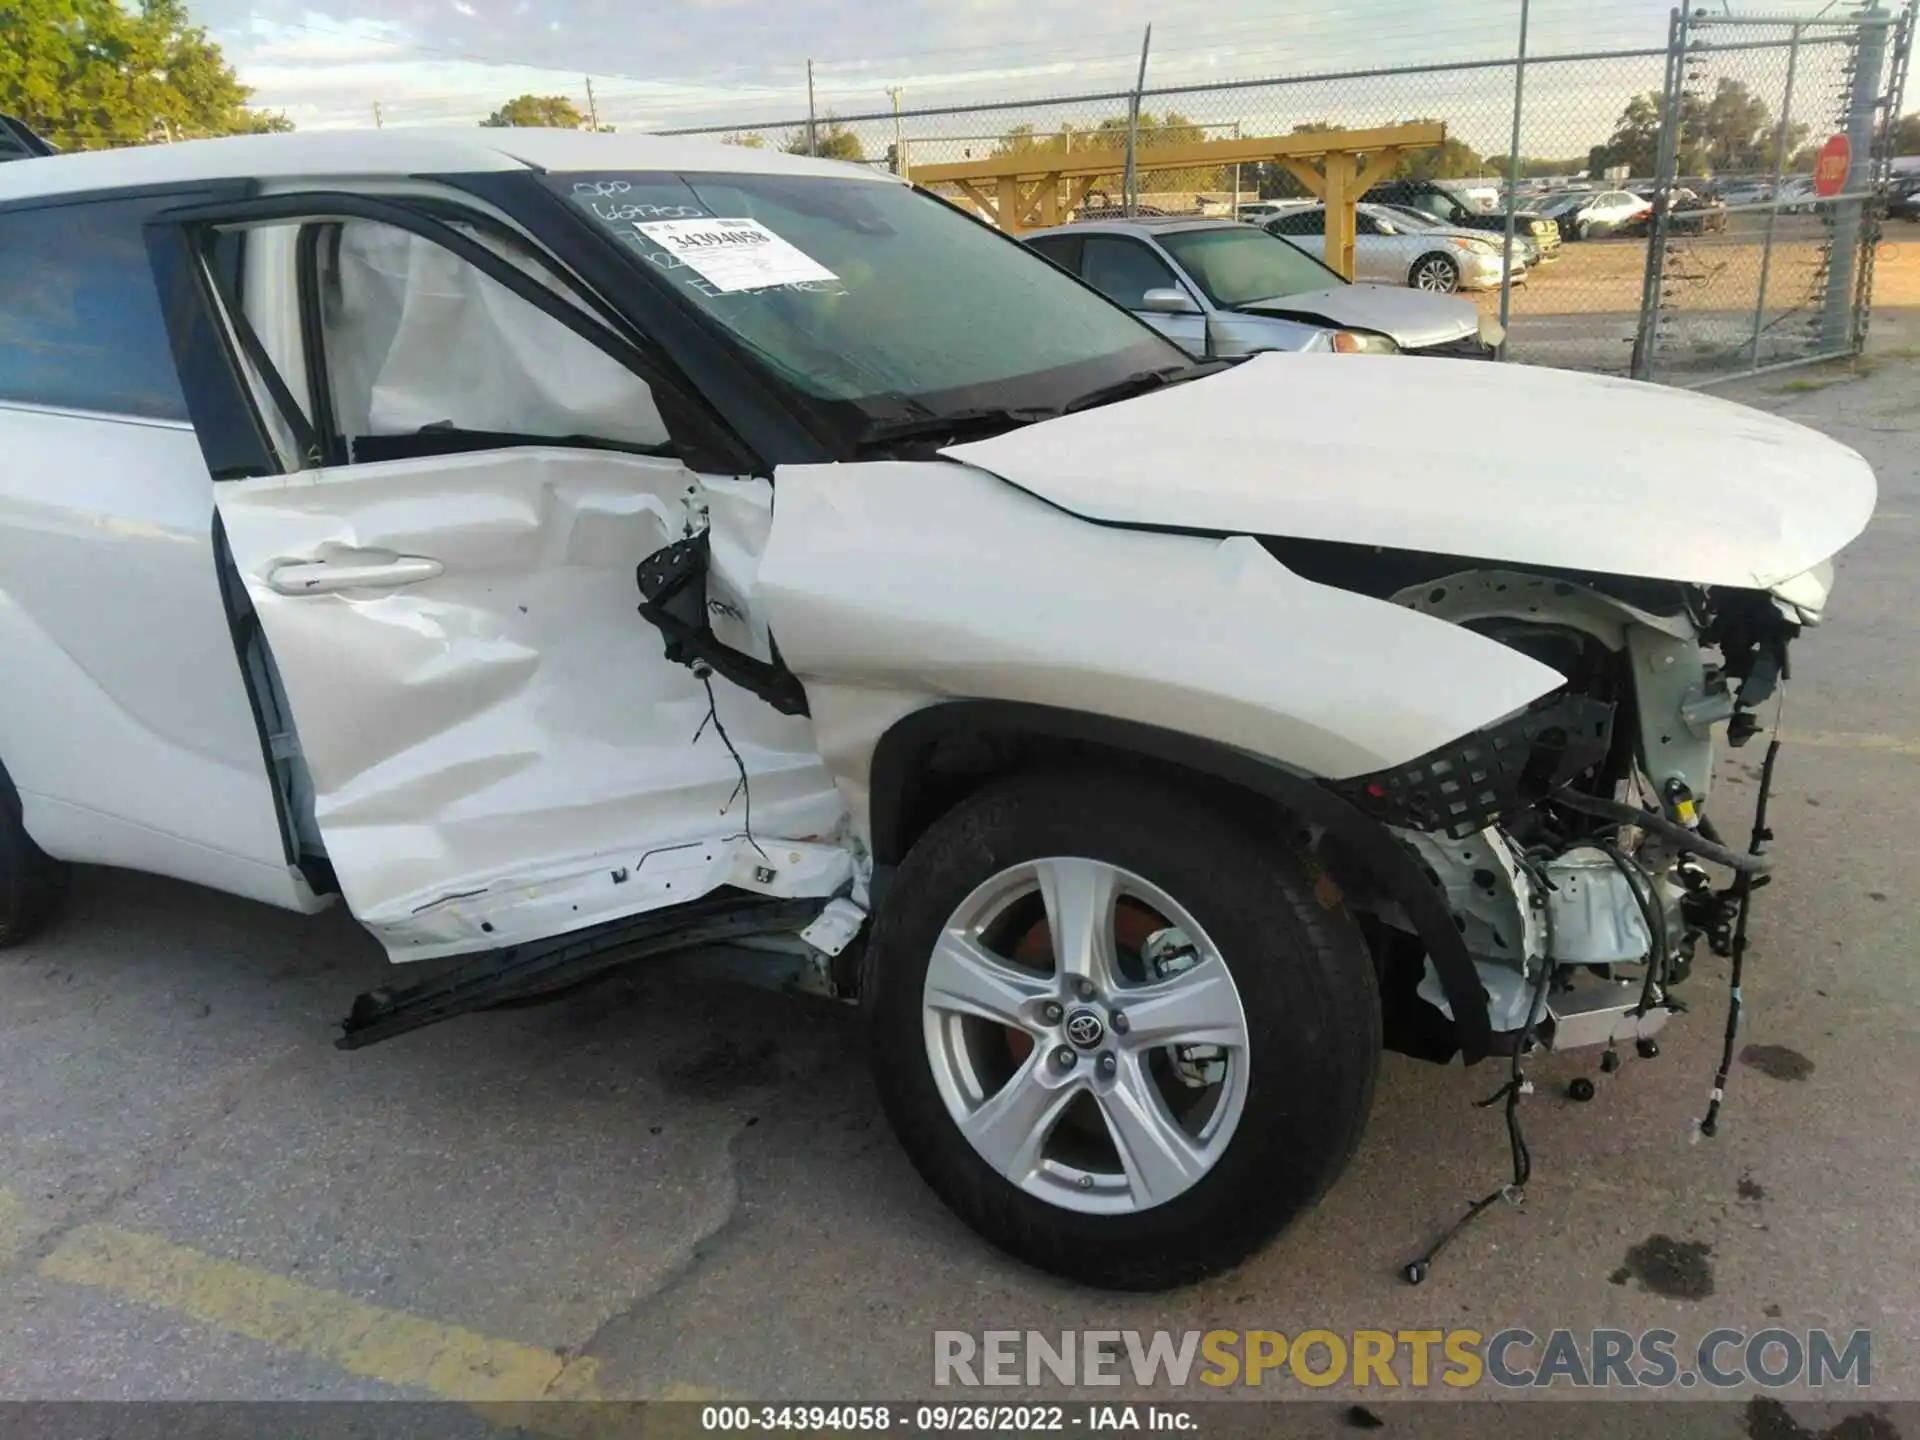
<point>1124,270</point>
<point>455,464</point>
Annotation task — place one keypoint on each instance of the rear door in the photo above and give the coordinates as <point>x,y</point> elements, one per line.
<point>1376,257</point>
<point>437,464</point>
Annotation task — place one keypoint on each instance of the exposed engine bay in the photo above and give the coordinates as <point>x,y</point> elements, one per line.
<point>1573,845</point>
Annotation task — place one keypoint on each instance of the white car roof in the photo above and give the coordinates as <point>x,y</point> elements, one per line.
<point>320,154</point>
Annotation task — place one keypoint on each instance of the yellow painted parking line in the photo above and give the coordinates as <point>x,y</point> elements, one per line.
<point>362,1339</point>
<point>19,1229</point>
<point>1853,740</point>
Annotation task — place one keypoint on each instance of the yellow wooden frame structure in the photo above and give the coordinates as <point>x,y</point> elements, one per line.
<point>1022,192</point>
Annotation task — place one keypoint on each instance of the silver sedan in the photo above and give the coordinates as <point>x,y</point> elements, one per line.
<point>1221,287</point>
<point>1389,250</point>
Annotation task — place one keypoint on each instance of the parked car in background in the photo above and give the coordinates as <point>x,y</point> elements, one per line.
<point>1526,250</point>
<point>1691,214</point>
<point>1258,212</point>
<point>1130,270</point>
<point>1220,287</point>
<point>19,142</point>
<point>1117,212</point>
<point>1388,252</point>
<point>1903,198</point>
<point>1449,205</point>
<point>1744,192</point>
<point>1590,216</point>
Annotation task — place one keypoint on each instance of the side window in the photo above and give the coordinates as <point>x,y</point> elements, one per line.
<point>1307,222</point>
<point>424,353</point>
<point>1363,224</point>
<point>1062,250</point>
<point>1123,270</point>
<point>80,324</point>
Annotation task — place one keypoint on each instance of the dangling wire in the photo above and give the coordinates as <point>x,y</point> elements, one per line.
<point>1513,1193</point>
<point>742,790</point>
<point>1743,899</point>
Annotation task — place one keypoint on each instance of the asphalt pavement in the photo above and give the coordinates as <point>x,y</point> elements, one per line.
<point>660,1188</point>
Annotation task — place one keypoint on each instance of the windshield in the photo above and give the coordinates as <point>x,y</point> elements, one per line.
<point>1404,219</point>
<point>1237,264</point>
<point>870,293</point>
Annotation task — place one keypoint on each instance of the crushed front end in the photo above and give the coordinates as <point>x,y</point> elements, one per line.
<point>1572,843</point>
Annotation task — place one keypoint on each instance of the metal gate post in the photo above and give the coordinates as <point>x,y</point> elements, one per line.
<point>1513,184</point>
<point>1896,90</point>
<point>1837,331</point>
<point>1773,213</point>
<point>1673,114</point>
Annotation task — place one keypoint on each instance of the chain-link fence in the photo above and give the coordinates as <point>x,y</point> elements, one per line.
<point>1786,277</point>
<point>1590,129</point>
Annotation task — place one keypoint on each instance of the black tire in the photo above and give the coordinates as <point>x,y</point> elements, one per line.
<point>1435,273</point>
<point>1583,230</point>
<point>1305,981</point>
<point>32,883</point>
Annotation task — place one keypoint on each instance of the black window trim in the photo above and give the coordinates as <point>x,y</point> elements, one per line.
<point>702,439</point>
<point>1072,246</point>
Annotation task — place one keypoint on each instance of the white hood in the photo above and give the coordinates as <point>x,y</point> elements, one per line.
<point>1515,463</point>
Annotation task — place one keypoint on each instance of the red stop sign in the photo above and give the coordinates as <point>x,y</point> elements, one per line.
<point>1830,171</point>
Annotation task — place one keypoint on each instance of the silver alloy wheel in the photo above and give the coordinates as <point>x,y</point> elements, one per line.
<point>1436,273</point>
<point>1100,1078</point>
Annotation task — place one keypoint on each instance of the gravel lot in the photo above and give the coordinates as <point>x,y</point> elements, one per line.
<point>661,1188</point>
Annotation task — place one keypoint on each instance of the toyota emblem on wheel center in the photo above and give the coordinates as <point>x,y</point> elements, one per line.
<point>1086,1029</point>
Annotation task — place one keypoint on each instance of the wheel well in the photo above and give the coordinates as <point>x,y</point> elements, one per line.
<point>933,759</point>
<point>951,767</point>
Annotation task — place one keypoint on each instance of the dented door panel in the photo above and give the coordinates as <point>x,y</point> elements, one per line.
<point>499,750</point>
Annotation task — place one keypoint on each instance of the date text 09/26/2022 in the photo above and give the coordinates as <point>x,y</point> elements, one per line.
<point>962,1419</point>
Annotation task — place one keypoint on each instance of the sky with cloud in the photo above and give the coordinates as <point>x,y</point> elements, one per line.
<point>730,62</point>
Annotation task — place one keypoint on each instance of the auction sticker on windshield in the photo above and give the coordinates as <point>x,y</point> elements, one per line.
<point>734,254</point>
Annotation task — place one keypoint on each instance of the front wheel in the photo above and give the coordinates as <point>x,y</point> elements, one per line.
<point>1437,273</point>
<point>1122,1036</point>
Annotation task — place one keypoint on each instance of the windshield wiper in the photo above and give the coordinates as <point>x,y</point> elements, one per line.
<point>951,423</point>
<point>1142,381</point>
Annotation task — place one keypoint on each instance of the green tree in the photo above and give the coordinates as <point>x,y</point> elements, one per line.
<point>746,140</point>
<point>1451,159</point>
<point>1635,141</point>
<point>1730,132</point>
<point>1736,131</point>
<point>537,112</point>
<point>1906,135</point>
<point>92,73</point>
<point>1157,132</point>
<point>832,141</point>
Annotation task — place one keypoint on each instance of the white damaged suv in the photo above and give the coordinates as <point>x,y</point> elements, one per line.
<point>1142,743</point>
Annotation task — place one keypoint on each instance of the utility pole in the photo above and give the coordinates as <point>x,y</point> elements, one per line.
<point>1133,124</point>
<point>593,114</point>
<point>899,144</point>
<point>1513,179</point>
<point>376,115</point>
<point>813,139</point>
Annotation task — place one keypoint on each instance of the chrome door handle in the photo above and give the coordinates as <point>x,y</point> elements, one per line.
<point>324,577</point>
